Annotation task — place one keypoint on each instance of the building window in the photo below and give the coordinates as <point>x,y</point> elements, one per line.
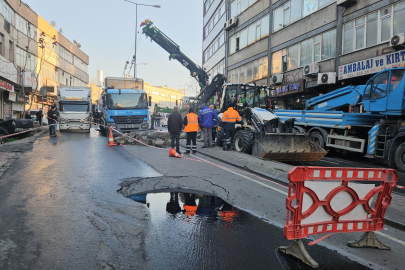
<point>249,35</point>
<point>215,45</point>
<point>318,48</point>
<point>371,29</point>
<point>238,6</point>
<point>1,44</point>
<point>252,71</point>
<point>11,51</point>
<point>294,10</point>
<point>27,62</point>
<point>214,20</point>
<point>374,28</point>
<point>399,18</point>
<point>7,12</point>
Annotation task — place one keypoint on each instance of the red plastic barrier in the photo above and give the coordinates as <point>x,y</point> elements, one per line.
<point>321,207</point>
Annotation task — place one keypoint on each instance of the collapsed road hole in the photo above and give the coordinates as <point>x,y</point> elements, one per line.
<point>200,230</point>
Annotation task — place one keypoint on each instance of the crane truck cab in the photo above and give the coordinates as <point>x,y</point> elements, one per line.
<point>125,106</point>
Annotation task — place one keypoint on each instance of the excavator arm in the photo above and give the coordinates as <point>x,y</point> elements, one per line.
<point>174,52</point>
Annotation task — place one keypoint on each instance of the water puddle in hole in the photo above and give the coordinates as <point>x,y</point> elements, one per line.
<point>201,231</point>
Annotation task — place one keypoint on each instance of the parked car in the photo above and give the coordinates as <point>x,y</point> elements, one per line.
<point>163,122</point>
<point>8,127</point>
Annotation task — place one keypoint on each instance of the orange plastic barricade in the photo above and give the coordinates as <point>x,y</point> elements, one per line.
<point>337,200</point>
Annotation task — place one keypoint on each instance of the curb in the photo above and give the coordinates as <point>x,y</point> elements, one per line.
<point>273,174</point>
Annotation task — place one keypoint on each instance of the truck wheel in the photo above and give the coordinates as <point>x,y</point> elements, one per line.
<point>243,141</point>
<point>318,139</point>
<point>220,137</point>
<point>399,157</point>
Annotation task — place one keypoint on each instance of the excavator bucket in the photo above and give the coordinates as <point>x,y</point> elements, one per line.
<point>287,147</point>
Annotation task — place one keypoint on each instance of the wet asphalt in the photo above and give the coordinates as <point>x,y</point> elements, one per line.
<point>60,209</point>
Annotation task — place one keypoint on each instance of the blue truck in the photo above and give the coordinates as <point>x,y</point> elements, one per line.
<point>363,119</point>
<point>124,106</point>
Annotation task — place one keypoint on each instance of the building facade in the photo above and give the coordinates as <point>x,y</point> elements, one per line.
<point>214,49</point>
<point>305,48</point>
<point>33,54</point>
<point>164,96</point>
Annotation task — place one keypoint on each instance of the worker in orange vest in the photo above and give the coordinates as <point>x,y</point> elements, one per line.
<point>191,128</point>
<point>229,119</point>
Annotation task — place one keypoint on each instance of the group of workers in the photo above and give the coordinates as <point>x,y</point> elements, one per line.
<point>207,122</point>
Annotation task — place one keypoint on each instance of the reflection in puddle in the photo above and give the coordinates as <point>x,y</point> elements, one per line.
<point>199,231</point>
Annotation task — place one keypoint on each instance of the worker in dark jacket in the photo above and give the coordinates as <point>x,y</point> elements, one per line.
<point>174,126</point>
<point>191,128</point>
<point>205,118</point>
<point>39,115</point>
<point>52,118</point>
<point>229,119</point>
<point>28,115</point>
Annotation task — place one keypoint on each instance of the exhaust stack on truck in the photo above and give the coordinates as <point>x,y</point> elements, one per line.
<point>74,105</point>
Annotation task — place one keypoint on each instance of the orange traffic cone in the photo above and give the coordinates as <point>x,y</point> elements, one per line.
<point>110,138</point>
<point>173,153</point>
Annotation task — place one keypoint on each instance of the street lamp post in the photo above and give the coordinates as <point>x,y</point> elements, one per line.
<point>136,27</point>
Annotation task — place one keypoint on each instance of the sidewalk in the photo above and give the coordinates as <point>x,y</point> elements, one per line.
<point>395,215</point>
<point>10,152</point>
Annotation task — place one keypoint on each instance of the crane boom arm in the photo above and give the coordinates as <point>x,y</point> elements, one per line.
<point>174,52</point>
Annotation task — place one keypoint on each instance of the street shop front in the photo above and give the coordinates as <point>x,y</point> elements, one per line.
<point>291,96</point>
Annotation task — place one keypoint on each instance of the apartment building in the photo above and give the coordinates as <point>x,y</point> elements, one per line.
<point>164,96</point>
<point>305,48</point>
<point>214,49</point>
<point>33,54</point>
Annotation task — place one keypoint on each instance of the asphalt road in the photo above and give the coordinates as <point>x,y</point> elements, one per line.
<point>60,209</point>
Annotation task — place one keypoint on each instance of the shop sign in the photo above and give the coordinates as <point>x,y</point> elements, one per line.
<point>372,65</point>
<point>7,110</point>
<point>12,96</point>
<point>30,79</point>
<point>20,98</point>
<point>6,86</point>
<point>290,88</point>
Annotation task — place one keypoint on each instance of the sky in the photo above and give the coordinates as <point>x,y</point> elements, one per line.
<point>106,31</point>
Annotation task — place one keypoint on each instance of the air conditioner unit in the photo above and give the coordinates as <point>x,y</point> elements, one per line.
<point>397,40</point>
<point>327,78</point>
<point>345,3</point>
<point>230,23</point>
<point>277,79</point>
<point>311,69</point>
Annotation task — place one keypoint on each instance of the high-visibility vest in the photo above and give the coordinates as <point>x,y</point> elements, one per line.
<point>192,123</point>
<point>231,116</point>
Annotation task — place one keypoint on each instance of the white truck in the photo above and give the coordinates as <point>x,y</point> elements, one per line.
<point>74,105</point>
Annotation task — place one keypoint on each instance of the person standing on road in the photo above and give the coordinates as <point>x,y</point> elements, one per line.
<point>52,117</point>
<point>229,119</point>
<point>39,116</point>
<point>205,118</point>
<point>191,128</point>
<point>215,126</point>
<point>174,126</point>
<point>158,118</point>
<point>28,115</point>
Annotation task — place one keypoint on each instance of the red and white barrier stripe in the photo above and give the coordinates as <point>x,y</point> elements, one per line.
<point>400,187</point>
<point>31,129</point>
